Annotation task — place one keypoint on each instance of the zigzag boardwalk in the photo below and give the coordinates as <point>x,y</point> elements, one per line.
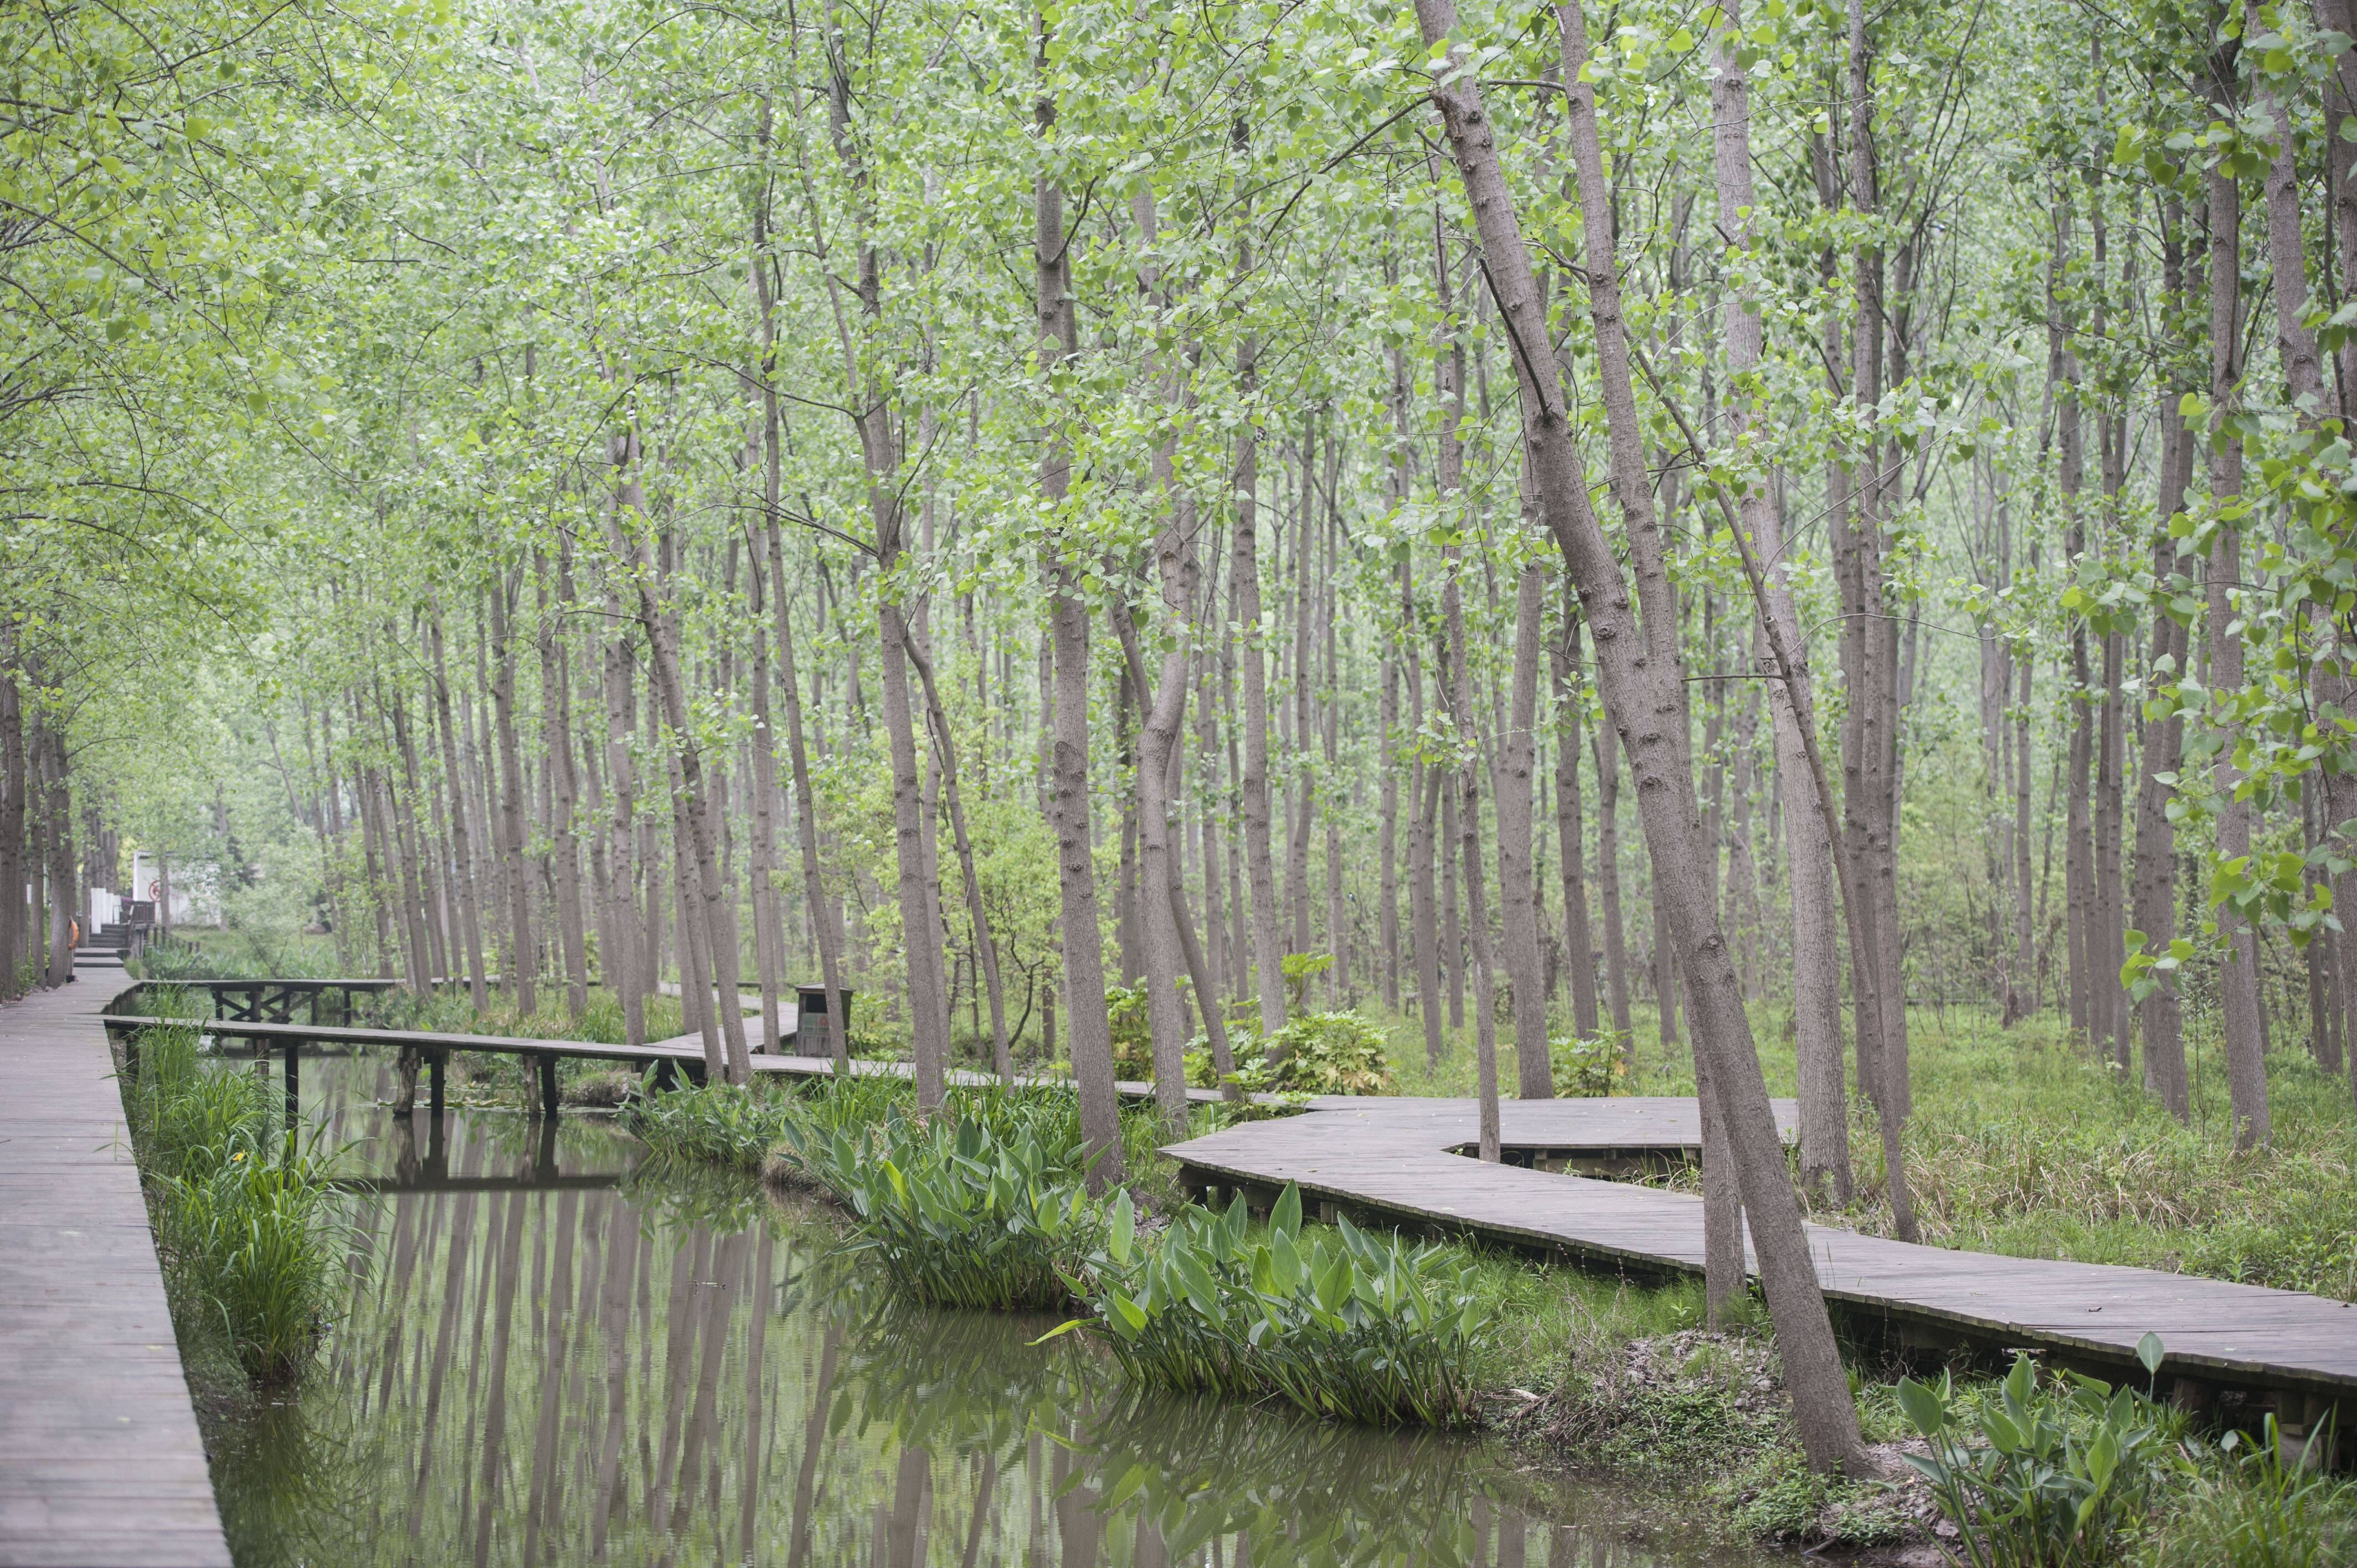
<point>100,1460</point>
<point>1391,1161</point>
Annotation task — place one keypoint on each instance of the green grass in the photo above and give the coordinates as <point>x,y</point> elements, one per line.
<point>246,1223</point>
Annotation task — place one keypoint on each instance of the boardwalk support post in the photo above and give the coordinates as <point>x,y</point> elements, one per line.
<point>435,1062</point>
<point>293,1088</point>
<point>548,1086</point>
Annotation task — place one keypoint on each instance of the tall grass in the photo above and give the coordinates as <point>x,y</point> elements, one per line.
<point>1345,1325</point>
<point>246,1220</point>
<point>2243,1507</point>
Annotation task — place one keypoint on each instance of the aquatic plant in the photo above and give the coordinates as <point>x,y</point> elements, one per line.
<point>713,1122</point>
<point>247,1221</point>
<point>1347,1325</point>
<point>2042,1477</point>
<point>980,1204</point>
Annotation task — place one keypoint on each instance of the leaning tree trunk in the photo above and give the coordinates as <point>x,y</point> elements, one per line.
<point>1816,977</point>
<point>1644,694</point>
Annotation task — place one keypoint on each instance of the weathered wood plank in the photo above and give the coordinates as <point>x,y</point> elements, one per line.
<point>1395,1158</point>
<point>100,1462</point>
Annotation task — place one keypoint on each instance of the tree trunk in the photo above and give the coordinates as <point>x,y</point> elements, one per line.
<point>985,947</point>
<point>1068,620</point>
<point>1571,723</point>
<point>1642,691</point>
<point>1517,874</point>
<point>521,964</point>
<point>715,929</point>
<point>2238,992</point>
<point>1243,596</point>
<point>556,725</point>
<point>1608,887</point>
<point>13,785</point>
<point>626,966</point>
<point>1808,818</point>
<point>461,850</point>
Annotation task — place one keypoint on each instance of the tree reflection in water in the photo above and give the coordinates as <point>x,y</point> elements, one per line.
<point>549,1361</point>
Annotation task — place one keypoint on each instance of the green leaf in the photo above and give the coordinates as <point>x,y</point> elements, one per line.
<point>1124,1227</point>
<point>1923,1406</point>
<point>2148,1353</point>
<point>1285,1218</point>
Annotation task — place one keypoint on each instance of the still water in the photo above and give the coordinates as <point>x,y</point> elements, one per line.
<point>552,1357</point>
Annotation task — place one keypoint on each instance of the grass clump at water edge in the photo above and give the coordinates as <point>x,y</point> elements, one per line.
<point>1350,1327</point>
<point>247,1223</point>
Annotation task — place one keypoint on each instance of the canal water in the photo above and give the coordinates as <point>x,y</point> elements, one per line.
<point>554,1354</point>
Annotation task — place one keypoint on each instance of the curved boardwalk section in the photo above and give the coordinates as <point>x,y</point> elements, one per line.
<point>100,1461</point>
<point>1394,1161</point>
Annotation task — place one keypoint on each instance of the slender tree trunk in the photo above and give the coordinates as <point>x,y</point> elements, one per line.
<point>1244,595</point>
<point>522,963</point>
<point>1517,874</point>
<point>716,930</point>
<point>1452,930</point>
<point>1463,831</point>
<point>1068,620</point>
<point>14,784</point>
<point>1426,786</point>
<point>1816,976</point>
<point>625,966</point>
<point>1571,722</point>
<point>1608,887</point>
<point>985,946</point>
<point>556,725</point>
<point>462,854</point>
<point>60,861</point>
<point>2246,1073</point>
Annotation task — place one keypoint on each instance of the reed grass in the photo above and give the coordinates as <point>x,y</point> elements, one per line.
<point>247,1221</point>
<point>715,1123</point>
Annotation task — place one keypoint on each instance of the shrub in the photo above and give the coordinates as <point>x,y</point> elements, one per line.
<point>1133,1038</point>
<point>980,1205</point>
<point>1328,1053</point>
<point>2056,1480</point>
<point>1350,1327</point>
<point>1587,1068</point>
<point>246,1222</point>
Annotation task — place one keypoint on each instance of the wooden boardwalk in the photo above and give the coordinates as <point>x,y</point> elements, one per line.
<point>684,1051</point>
<point>101,1465</point>
<point>1393,1162</point>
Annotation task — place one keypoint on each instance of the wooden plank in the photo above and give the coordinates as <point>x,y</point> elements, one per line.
<point>1393,1159</point>
<point>100,1460</point>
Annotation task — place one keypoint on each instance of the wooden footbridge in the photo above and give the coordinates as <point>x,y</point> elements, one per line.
<point>259,1013</point>
<point>1401,1163</point>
